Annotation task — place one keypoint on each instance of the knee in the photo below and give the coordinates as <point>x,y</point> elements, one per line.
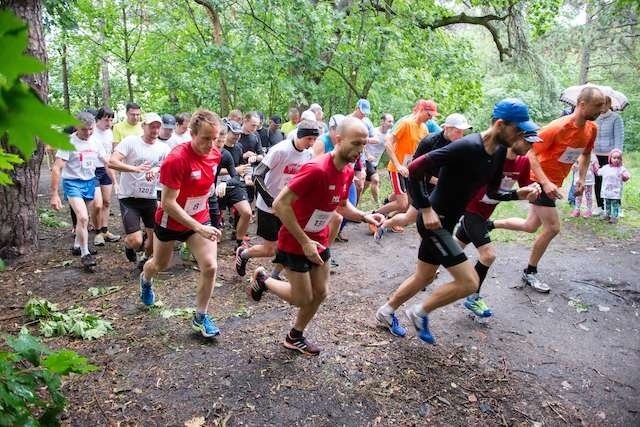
<point>552,230</point>
<point>470,285</point>
<point>82,219</point>
<point>208,268</point>
<point>319,296</point>
<point>305,300</point>
<point>487,258</point>
<point>133,240</point>
<point>161,264</point>
<point>106,204</point>
<point>530,227</point>
<point>403,203</point>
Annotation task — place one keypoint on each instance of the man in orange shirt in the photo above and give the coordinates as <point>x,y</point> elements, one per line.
<point>564,141</point>
<point>400,146</point>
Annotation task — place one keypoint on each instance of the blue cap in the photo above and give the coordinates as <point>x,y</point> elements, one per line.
<point>515,111</point>
<point>364,106</point>
<point>232,125</point>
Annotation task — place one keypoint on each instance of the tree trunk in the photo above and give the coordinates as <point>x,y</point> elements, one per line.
<point>18,216</point>
<point>585,57</point>
<point>104,67</point>
<point>65,76</point>
<point>127,54</point>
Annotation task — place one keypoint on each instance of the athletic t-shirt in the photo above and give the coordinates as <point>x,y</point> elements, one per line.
<point>81,163</point>
<point>375,150</point>
<point>136,152</point>
<point>172,142</point>
<point>429,143</point>
<point>123,129</point>
<point>562,143</point>
<point>236,153</point>
<point>193,175</point>
<point>513,170</point>
<point>250,142</point>
<point>284,161</point>
<point>183,137</point>
<point>226,162</point>
<point>407,134</point>
<point>320,188</point>
<point>104,138</point>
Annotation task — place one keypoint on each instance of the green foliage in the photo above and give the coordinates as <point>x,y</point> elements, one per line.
<point>75,322</point>
<point>167,313</point>
<point>23,116</point>
<point>95,292</point>
<point>48,218</point>
<point>28,368</point>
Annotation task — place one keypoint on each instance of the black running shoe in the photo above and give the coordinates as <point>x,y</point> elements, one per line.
<point>241,264</point>
<point>302,345</point>
<point>75,250</point>
<point>88,261</point>
<point>130,254</point>
<point>257,286</point>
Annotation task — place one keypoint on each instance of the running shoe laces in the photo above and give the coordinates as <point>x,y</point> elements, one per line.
<point>147,295</point>
<point>421,323</point>
<point>532,280</point>
<point>302,345</point>
<point>257,286</point>
<point>391,323</point>
<point>478,306</point>
<point>241,264</point>
<point>205,325</point>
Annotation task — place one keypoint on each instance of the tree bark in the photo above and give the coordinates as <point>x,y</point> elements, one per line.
<point>127,54</point>
<point>104,67</point>
<point>18,215</point>
<point>585,56</point>
<point>65,77</point>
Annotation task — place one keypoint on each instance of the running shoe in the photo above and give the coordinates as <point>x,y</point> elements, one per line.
<point>257,286</point>
<point>241,264</point>
<point>109,237</point>
<point>130,253</point>
<point>333,263</point>
<point>98,240</point>
<point>587,214</point>
<point>421,323</point>
<point>205,325</point>
<point>532,280</point>
<point>391,323</point>
<point>75,250</point>
<point>147,295</point>
<point>476,304</point>
<point>341,238</point>
<point>575,213</point>
<point>379,233</point>
<point>302,345</point>
<point>88,261</point>
<point>143,259</point>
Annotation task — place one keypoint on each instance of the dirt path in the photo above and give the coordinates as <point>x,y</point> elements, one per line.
<point>536,360</point>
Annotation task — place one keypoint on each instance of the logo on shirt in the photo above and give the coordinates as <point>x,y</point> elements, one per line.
<point>335,199</point>
<point>196,174</point>
<point>291,169</point>
<point>332,187</point>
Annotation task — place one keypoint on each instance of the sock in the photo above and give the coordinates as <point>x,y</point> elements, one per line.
<point>244,254</point>
<point>238,242</point>
<point>200,315</point>
<point>84,250</point>
<point>275,274</point>
<point>531,269</point>
<point>103,229</point>
<point>490,225</point>
<point>295,334</point>
<point>419,311</point>
<point>386,309</point>
<point>482,270</point>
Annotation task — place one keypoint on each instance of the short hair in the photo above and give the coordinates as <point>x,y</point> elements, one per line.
<point>252,115</point>
<point>294,110</point>
<point>131,106</point>
<point>203,116</point>
<point>588,93</point>
<point>235,114</point>
<point>183,118</point>
<point>105,112</point>
<point>86,118</point>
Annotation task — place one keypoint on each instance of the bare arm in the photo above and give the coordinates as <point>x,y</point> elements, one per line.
<point>116,163</point>
<point>583,166</point>
<point>547,186</point>
<point>175,211</point>
<point>352,213</point>
<point>56,171</point>
<point>390,146</point>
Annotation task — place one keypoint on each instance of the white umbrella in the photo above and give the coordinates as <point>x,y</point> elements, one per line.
<point>618,100</point>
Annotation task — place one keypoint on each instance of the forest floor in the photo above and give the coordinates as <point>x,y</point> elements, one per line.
<point>568,357</point>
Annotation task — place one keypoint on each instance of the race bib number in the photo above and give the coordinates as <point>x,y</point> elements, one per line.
<point>318,221</point>
<point>145,190</point>
<point>88,161</point>
<point>193,205</point>
<point>570,155</point>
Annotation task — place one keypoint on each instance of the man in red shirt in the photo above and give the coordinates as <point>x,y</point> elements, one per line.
<point>305,206</point>
<point>187,175</point>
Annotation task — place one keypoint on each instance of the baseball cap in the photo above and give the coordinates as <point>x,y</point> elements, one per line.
<point>308,115</point>
<point>532,137</point>
<point>315,107</point>
<point>151,117</point>
<point>276,119</point>
<point>457,121</point>
<point>364,106</point>
<point>233,126</point>
<point>515,111</point>
<point>335,120</point>
<point>168,121</point>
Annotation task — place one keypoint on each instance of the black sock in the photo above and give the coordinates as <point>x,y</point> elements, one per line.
<point>531,269</point>
<point>482,270</point>
<point>490,225</point>
<point>103,229</point>
<point>294,333</point>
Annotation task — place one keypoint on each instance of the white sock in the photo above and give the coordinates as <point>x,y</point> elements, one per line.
<point>419,311</point>
<point>84,250</point>
<point>386,309</point>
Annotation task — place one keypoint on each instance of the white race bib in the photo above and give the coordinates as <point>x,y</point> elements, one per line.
<point>144,189</point>
<point>89,161</point>
<point>193,205</point>
<point>318,221</point>
<point>570,155</point>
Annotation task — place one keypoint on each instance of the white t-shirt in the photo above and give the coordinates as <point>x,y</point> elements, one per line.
<point>612,181</point>
<point>104,138</point>
<point>173,141</point>
<point>283,161</point>
<point>81,163</point>
<point>136,152</point>
<point>185,137</point>
<point>376,150</point>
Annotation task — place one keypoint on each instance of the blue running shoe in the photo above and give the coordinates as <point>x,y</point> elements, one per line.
<point>476,304</point>
<point>379,234</point>
<point>391,323</point>
<point>421,323</point>
<point>205,325</point>
<point>146,291</point>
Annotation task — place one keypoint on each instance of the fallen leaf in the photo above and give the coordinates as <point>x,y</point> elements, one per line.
<point>194,422</point>
<point>550,310</point>
<point>472,398</point>
<point>584,328</point>
<point>566,385</point>
<point>443,400</point>
<point>603,308</point>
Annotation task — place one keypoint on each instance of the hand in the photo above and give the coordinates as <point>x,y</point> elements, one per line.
<point>552,190</point>
<point>252,159</point>
<point>430,219</point>
<point>625,177</point>
<point>248,181</point>
<point>144,167</point>
<point>221,190</point>
<point>56,203</point>
<point>150,175</point>
<point>374,218</point>
<point>209,232</point>
<point>579,187</point>
<point>530,192</point>
<point>402,170</point>
<point>312,251</point>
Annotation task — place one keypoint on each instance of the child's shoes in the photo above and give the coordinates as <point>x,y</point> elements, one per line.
<point>575,213</point>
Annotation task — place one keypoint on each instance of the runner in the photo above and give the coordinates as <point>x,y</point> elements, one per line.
<point>305,206</point>
<point>138,158</point>
<point>373,151</point>
<point>129,126</point>
<point>275,171</point>
<point>187,175</point>
<point>464,166</point>
<point>77,169</point>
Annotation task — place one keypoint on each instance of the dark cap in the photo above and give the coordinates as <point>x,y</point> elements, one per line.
<point>168,121</point>
<point>276,119</point>
<point>515,111</point>
<point>233,126</point>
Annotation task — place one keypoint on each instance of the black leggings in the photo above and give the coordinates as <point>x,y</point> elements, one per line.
<point>602,160</point>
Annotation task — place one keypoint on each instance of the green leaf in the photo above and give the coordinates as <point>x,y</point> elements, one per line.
<point>28,347</point>
<point>2,265</point>
<point>65,361</point>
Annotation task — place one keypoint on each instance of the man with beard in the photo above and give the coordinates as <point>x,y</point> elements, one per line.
<point>564,141</point>
<point>464,166</point>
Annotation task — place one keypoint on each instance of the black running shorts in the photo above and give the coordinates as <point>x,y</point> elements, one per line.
<point>134,209</point>
<point>298,263</point>
<point>544,200</point>
<point>268,226</point>
<point>166,235</point>
<point>473,229</point>
<point>438,247</point>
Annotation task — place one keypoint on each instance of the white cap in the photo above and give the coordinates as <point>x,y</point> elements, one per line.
<point>335,120</point>
<point>308,115</point>
<point>315,107</point>
<point>151,117</point>
<point>457,121</point>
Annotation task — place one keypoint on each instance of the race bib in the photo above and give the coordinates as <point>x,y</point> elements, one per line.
<point>570,155</point>
<point>88,161</point>
<point>144,189</point>
<point>407,159</point>
<point>193,205</point>
<point>318,221</point>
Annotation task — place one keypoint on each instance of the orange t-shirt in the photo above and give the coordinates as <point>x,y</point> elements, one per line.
<point>408,134</point>
<point>562,143</point>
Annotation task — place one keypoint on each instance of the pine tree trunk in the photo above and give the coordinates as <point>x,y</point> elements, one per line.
<point>65,78</point>
<point>18,215</point>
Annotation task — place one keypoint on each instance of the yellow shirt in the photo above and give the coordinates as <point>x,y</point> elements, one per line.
<point>287,127</point>
<point>408,134</point>
<point>123,129</point>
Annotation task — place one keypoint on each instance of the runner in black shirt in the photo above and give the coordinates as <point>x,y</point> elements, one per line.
<point>463,166</point>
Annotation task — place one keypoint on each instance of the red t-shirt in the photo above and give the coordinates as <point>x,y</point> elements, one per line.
<point>192,174</point>
<point>320,188</point>
<point>514,170</point>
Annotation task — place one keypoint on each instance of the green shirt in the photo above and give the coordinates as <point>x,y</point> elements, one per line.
<point>287,127</point>
<point>124,129</point>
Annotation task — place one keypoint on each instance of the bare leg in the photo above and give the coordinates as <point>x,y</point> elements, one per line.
<point>319,286</point>
<point>205,251</point>
<point>423,276</point>
<point>550,228</point>
<point>465,282</point>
